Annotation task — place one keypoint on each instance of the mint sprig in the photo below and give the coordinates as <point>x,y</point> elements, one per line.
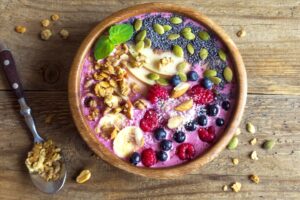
<point>118,34</point>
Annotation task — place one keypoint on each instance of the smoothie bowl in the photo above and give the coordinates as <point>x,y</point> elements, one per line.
<point>157,90</point>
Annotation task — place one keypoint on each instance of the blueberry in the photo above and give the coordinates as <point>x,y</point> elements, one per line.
<point>212,110</point>
<point>160,134</point>
<point>226,105</point>
<point>202,120</point>
<point>220,122</point>
<point>175,80</point>
<point>135,158</point>
<point>192,76</point>
<point>190,126</point>
<point>207,84</point>
<point>162,156</point>
<point>179,136</point>
<point>166,145</point>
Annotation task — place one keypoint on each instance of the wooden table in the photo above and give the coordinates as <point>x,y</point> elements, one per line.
<point>271,51</point>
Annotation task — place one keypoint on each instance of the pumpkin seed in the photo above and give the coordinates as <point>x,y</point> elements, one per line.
<point>181,66</point>
<point>182,76</point>
<point>210,73</point>
<point>141,35</point>
<point>162,81</point>
<point>167,27</point>
<point>178,51</point>
<point>189,35</point>
<point>176,20</point>
<point>222,55</point>
<point>215,80</point>
<point>153,76</point>
<point>269,144</point>
<point>147,42</point>
<point>139,46</point>
<point>186,30</point>
<point>233,143</point>
<point>173,36</point>
<point>250,128</point>
<point>203,53</point>
<point>203,35</point>
<point>159,29</point>
<point>190,49</point>
<point>138,24</point>
<point>227,73</point>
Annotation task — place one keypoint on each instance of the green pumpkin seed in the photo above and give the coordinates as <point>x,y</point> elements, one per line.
<point>210,73</point>
<point>178,51</point>
<point>138,24</point>
<point>215,80</point>
<point>182,76</point>
<point>250,128</point>
<point>269,144</point>
<point>233,143</point>
<point>159,29</point>
<point>186,30</point>
<point>162,81</point>
<point>203,53</point>
<point>227,73</point>
<point>222,55</point>
<point>181,66</point>
<point>190,49</point>
<point>203,35</point>
<point>153,76</point>
<point>147,42</point>
<point>141,35</point>
<point>176,20</point>
<point>173,36</point>
<point>189,35</point>
<point>139,46</point>
<point>167,27</point>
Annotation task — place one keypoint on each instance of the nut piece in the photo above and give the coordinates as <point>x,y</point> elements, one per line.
<point>180,90</point>
<point>20,29</point>
<point>124,87</point>
<point>46,34</point>
<point>164,62</point>
<point>84,176</point>
<point>135,88</point>
<point>225,188</point>
<point>174,122</point>
<point>141,104</point>
<point>64,34</point>
<point>236,187</point>
<point>253,155</point>
<point>184,106</point>
<point>253,141</point>
<point>235,161</point>
<point>254,178</point>
<point>250,128</point>
<point>45,22</point>
<point>128,109</point>
<point>55,17</point>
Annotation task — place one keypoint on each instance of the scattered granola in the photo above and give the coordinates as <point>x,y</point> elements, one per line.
<point>20,29</point>
<point>238,131</point>
<point>84,176</point>
<point>254,178</point>
<point>241,33</point>
<point>225,188</point>
<point>253,155</point>
<point>45,22</point>
<point>235,161</point>
<point>64,34</point>
<point>140,104</point>
<point>55,17</point>
<point>46,34</point>
<point>253,141</point>
<point>236,187</point>
<point>164,62</point>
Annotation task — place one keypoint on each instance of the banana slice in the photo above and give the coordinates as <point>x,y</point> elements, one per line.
<point>128,140</point>
<point>112,120</point>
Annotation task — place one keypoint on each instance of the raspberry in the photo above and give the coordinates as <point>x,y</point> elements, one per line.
<point>201,95</point>
<point>157,92</point>
<point>185,151</point>
<point>148,157</point>
<point>150,121</point>
<point>207,135</point>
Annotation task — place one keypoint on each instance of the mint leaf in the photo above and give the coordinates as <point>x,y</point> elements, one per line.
<point>120,33</point>
<point>103,47</point>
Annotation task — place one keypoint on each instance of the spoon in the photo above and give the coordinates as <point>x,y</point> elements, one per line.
<point>10,71</point>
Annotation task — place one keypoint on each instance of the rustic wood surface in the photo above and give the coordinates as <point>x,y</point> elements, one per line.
<point>270,50</point>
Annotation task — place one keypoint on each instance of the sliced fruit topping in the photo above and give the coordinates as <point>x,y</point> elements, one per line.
<point>207,135</point>
<point>166,145</point>
<point>156,93</point>
<point>127,141</point>
<point>212,110</point>
<point>192,76</point>
<point>160,134</point>
<point>202,120</point>
<point>185,151</point>
<point>148,157</point>
<point>111,121</point>
<point>179,136</point>
<point>174,122</point>
<point>184,106</point>
<point>190,126</point>
<point>135,158</point>
<point>201,95</point>
<point>162,156</point>
<point>180,90</point>
<point>175,80</point>
<point>150,121</point>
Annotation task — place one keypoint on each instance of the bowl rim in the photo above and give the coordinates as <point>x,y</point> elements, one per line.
<point>108,156</point>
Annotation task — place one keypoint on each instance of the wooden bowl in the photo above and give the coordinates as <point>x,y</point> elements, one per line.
<point>87,133</point>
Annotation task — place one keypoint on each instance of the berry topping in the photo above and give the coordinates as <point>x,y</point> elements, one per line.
<point>220,122</point>
<point>157,92</point>
<point>201,95</point>
<point>166,145</point>
<point>207,135</point>
<point>202,120</point>
<point>207,84</point>
<point>148,157</point>
<point>185,151</point>
<point>160,134</point>
<point>135,158</point>
<point>190,126</point>
<point>150,121</point>
<point>226,105</point>
<point>212,110</point>
<point>179,136</point>
<point>175,80</point>
<point>192,76</point>
<point>162,156</point>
